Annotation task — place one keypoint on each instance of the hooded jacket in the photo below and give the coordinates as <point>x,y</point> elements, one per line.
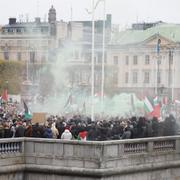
<point>66,135</point>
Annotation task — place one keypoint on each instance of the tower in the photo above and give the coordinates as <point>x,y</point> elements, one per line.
<point>52,20</point>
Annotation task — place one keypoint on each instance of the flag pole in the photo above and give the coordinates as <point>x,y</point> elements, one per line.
<point>92,65</point>
<point>173,77</point>
<point>103,57</point>
<point>157,67</point>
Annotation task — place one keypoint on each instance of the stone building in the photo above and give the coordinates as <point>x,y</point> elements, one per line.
<point>144,68</point>
<point>80,38</point>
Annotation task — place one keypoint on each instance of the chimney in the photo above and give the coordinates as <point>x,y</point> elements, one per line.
<point>37,20</point>
<point>109,18</point>
<point>12,21</point>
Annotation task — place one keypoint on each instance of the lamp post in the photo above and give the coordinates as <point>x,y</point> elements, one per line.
<point>27,68</point>
<point>94,6</point>
<point>170,76</point>
<point>103,57</point>
<point>158,75</point>
<point>92,65</point>
<point>173,75</point>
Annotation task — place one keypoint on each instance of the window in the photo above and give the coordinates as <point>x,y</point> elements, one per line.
<point>159,61</point>
<point>6,55</point>
<point>147,59</point>
<point>105,58</point>
<point>87,57</point>
<point>127,60</point>
<point>97,78</point>
<point>126,77</point>
<point>135,60</point>
<point>159,77</point>
<point>170,57</point>
<point>115,78</point>
<point>19,43</point>
<point>76,54</point>
<point>135,77</point>
<point>171,61</point>
<point>19,56</point>
<point>18,30</point>
<point>43,58</point>
<point>115,60</point>
<point>32,57</point>
<point>95,60</point>
<point>146,77</point>
<point>99,56</point>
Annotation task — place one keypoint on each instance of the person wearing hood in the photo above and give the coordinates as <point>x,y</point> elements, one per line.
<point>66,134</point>
<point>47,132</point>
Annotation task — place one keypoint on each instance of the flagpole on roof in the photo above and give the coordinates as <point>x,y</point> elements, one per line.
<point>173,77</point>
<point>157,67</point>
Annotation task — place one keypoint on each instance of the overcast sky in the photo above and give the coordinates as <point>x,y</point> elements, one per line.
<point>124,12</point>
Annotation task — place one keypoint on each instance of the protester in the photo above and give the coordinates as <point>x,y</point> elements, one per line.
<point>66,135</point>
<point>80,127</point>
<point>55,132</point>
<point>47,132</point>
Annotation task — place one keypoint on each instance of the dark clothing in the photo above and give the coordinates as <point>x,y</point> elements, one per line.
<point>48,133</point>
<point>28,131</point>
<point>37,131</point>
<point>20,130</point>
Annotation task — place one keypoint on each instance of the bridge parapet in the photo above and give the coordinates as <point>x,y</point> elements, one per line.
<point>89,158</point>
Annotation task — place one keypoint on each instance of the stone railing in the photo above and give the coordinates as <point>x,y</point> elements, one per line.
<point>12,146</point>
<point>90,158</point>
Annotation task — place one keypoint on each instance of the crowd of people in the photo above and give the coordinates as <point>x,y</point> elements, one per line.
<point>81,127</point>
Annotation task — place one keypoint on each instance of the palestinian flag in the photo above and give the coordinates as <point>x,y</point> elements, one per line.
<point>4,96</point>
<point>148,105</point>
<point>156,108</point>
<point>27,114</point>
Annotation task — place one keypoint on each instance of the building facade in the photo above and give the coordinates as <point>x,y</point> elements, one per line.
<point>133,62</point>
<point>147,60</point>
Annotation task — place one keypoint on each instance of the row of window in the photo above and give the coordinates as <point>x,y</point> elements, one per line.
<point>26,30</point>
<point>135,60</point>
<point>32,56</point>
<point>79,77</point>
<point>146,77</point>
<point>23,43</point>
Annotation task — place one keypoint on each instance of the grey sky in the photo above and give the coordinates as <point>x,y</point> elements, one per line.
<point>124,12</point>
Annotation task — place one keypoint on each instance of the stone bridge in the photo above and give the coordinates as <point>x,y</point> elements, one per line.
<point>49,159</point>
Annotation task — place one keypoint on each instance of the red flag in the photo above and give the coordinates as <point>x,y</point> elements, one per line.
<point>165,100</point>
<point>156,111</point>
<point>4,95</point>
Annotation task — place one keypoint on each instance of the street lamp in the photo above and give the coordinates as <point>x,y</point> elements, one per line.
<point>94,6</point>
<point>103,57</point>
<point>92,64</point>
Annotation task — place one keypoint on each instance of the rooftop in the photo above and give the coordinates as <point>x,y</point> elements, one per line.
<point>131,36</point>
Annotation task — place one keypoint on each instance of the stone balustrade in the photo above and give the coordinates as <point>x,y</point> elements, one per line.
<point>90,158</point>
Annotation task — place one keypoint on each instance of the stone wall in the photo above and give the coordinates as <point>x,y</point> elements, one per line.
<point>150,158</point>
